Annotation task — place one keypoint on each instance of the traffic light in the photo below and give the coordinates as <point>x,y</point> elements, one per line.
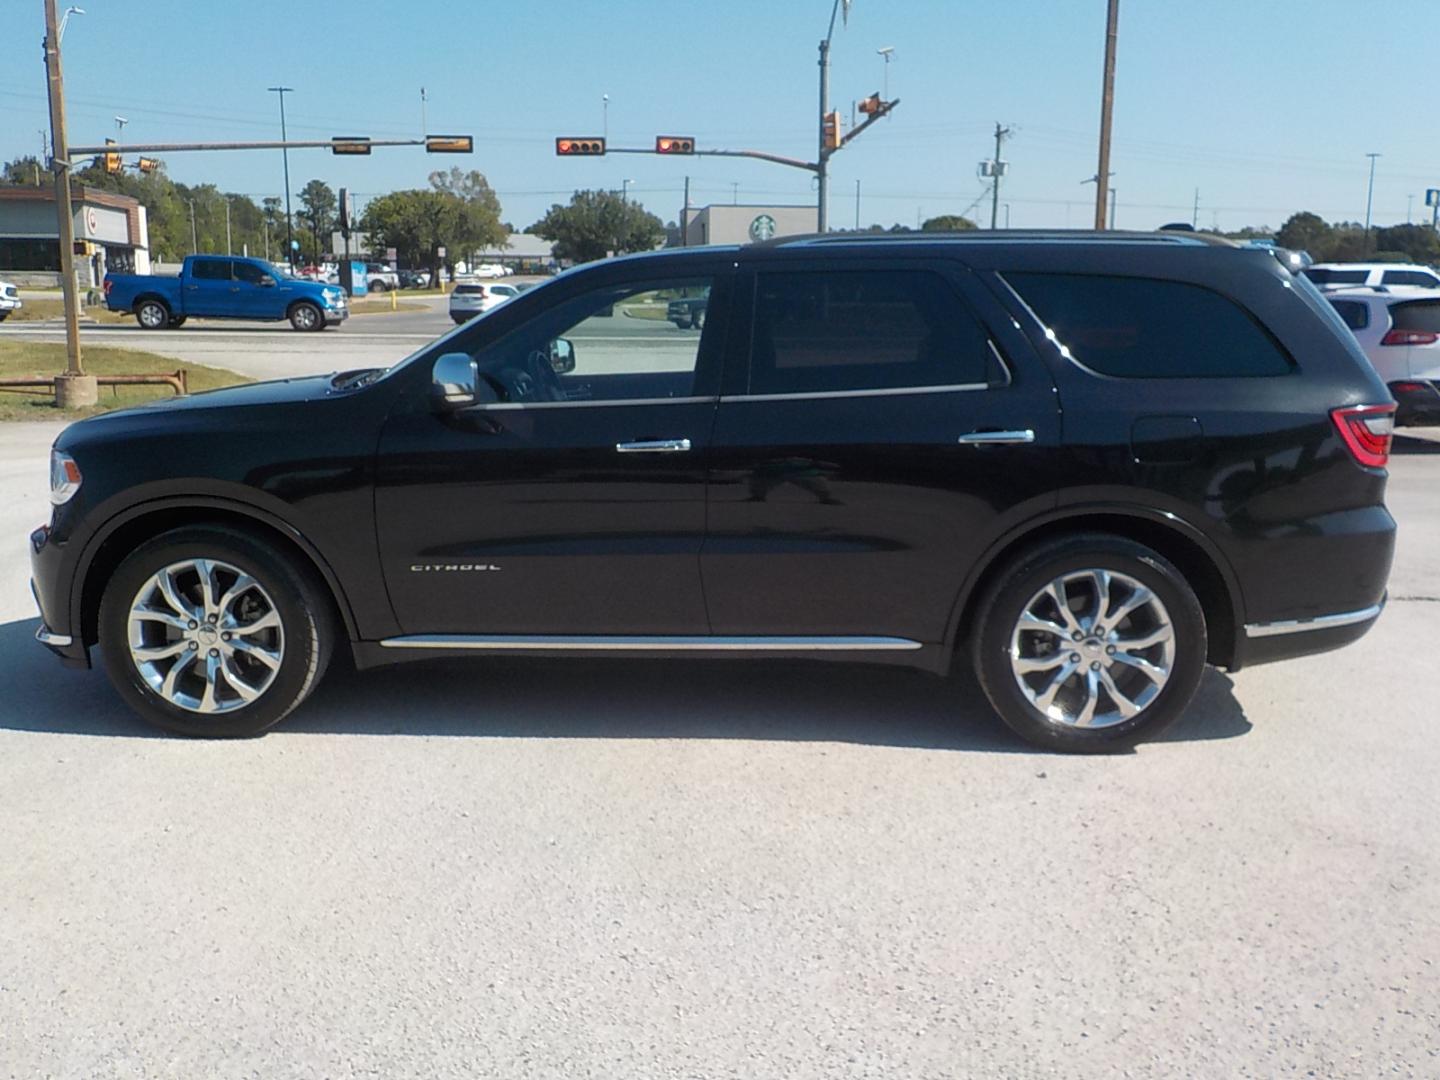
<point>871,105</point>
<point>579,146</point>
<point>832,130</point>
<point>147,164</point>
<point>112,161</point>
<point>350,144</point>
<point>674,144</point>
<point>448,144</point>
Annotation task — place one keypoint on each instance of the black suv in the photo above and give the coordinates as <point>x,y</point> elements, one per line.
<point>1086,465</point>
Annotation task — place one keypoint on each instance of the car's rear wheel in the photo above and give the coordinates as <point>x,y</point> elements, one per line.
<point>208,631</point>
<point>1089,643</point>
<point>152,315</point>
<point>378,286</point>
<point>306,316</point>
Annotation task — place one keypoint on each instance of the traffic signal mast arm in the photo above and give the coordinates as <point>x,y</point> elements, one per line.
<point>882,108</point>
<point>442,144</point>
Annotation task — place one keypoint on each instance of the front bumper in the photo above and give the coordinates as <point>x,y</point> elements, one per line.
<point>53,601</point>
<point>1418,401</point>
<point>335,316</point>
<point>10,305</point>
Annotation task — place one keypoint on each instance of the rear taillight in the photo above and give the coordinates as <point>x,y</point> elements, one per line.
<point>1409,387</point>
<point>1410,337</point>
<point>1366,431</point>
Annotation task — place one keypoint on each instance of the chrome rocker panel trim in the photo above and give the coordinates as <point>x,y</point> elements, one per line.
<point>656,643</point>
<point>1320,622</point>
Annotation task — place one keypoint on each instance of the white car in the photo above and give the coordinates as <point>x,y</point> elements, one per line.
<point>1350,275</point>
<point>9,300</point>
<point>1399,330</point>
<point>470,298</point>
<point>488,270</point>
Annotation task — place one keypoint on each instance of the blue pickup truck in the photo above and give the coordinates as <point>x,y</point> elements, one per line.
<point>225,287</point>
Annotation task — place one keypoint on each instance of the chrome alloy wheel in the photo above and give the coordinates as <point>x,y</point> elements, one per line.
<point>1092,649</point>
<point>205,636</point>
<point>152,316</point>
<point>306,317</point>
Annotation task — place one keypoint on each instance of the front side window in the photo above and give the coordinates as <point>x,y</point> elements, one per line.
<point>1140,328</point>
<point>249,273</point>
<point>210,269</point>
<point>613,344</point>
<point>837,331</point>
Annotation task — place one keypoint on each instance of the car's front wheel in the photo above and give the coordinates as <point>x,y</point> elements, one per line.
<point>209,631</point>
<point>1089,643</point>
<point>306,316</point>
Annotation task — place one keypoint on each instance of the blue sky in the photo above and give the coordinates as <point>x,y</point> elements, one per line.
<point>1265,106</point>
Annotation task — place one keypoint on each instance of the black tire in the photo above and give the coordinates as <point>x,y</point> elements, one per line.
<point>378,286</point>
<point>460,319</point>
<point>152,315</point>
<point>4,315</point>
<point>177,321</point>
<point>307,621</point>
<point>1023,578</point>
<point>681,324</point>
<point>698,321</point>
<point>306,316</point>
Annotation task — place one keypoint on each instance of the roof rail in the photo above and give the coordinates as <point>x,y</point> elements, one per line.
<point>1002,236</point>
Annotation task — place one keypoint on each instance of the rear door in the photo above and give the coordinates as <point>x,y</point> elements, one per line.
<point>209,289</point>
<point>881,423</point>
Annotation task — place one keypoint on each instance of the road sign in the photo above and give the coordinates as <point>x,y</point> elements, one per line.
<point>391,254</point>
<point>350,144</point>
<point>1432,196</point>
<point>439,252</point>
<point>762,228</point>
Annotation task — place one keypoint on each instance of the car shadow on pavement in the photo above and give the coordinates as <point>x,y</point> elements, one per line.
<point>523,697</point>
<point>1412,444</point>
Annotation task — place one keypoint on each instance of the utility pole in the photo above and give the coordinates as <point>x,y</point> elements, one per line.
<point>1409,209</point>
<point>1107,108</point>
<point>285,154</point>
<point>194,244</point>
<point>227,226</point>
<point>734,192</point>
<point>74,387</point>
<point>1195,215</point>
<point>685,217</point>
<point>857,205</point>
<point>1113,196</point>
<point>1369,198</point>
<point>1000,133</point>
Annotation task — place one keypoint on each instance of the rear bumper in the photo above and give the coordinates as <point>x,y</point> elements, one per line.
<point>1264,643</point>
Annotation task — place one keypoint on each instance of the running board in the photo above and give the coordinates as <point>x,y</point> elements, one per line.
<point>648,643</point>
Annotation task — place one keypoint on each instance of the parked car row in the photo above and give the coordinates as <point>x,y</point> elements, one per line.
<point>9,300</point>
<point>1399,329</point>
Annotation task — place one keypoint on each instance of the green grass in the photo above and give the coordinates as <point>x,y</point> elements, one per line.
<point>20,360</point>
<point>381,307</point>
<point>46,308</point>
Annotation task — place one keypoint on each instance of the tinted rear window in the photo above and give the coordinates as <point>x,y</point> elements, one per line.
<point>1323,276</point>
<point>472,289</point>
<point>1416,315</point>
<point>1138,328</point>
<point>210,269</point>
<point>1409,277</point>
<point>1355,314</point>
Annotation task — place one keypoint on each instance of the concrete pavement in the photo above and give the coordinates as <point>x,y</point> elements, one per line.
<point>535,868</point>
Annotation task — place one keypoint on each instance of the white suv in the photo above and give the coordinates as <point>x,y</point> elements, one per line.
<point>1399,329</point>
<point>9,300</point>
<point>470,298</point>
<point>1349,275</point>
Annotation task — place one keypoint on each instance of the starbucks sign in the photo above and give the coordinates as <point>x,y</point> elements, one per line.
<point>762,228</point>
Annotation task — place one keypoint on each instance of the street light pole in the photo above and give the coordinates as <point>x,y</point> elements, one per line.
<point>285,154</point>
<point>74,387</point>
<point>821,173</point>
<point>1369,198</point>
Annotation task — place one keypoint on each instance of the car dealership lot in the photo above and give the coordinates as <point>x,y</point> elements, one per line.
<point>720,869</point>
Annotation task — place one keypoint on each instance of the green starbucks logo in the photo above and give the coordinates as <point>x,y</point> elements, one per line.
<point>762,228</point>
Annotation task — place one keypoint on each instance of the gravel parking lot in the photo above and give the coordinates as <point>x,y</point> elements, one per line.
<point>529,868</point>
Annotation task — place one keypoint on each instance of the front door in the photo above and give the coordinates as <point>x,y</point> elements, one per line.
<point>881,434</point>
<point>575,503</point>
<point>253,299</point>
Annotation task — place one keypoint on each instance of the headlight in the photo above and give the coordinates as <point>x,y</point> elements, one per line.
<point>64,477</point>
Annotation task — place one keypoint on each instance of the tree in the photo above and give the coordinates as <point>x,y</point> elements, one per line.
<point>948,223</point>
<point>597,222</point>
<point>475,223</point>
<point>317,214</point>
<point>1306,232</point>
<point>27,171</point>
<point>413,222</point>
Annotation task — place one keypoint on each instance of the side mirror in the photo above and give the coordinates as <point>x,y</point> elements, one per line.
<point>455,383</point>
<point>562,356</point>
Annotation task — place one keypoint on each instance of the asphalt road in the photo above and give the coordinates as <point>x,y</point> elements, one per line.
<point>694,869</point>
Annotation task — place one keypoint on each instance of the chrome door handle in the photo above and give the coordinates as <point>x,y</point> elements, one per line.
<point>998,438</point>
<point>653,446</point>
